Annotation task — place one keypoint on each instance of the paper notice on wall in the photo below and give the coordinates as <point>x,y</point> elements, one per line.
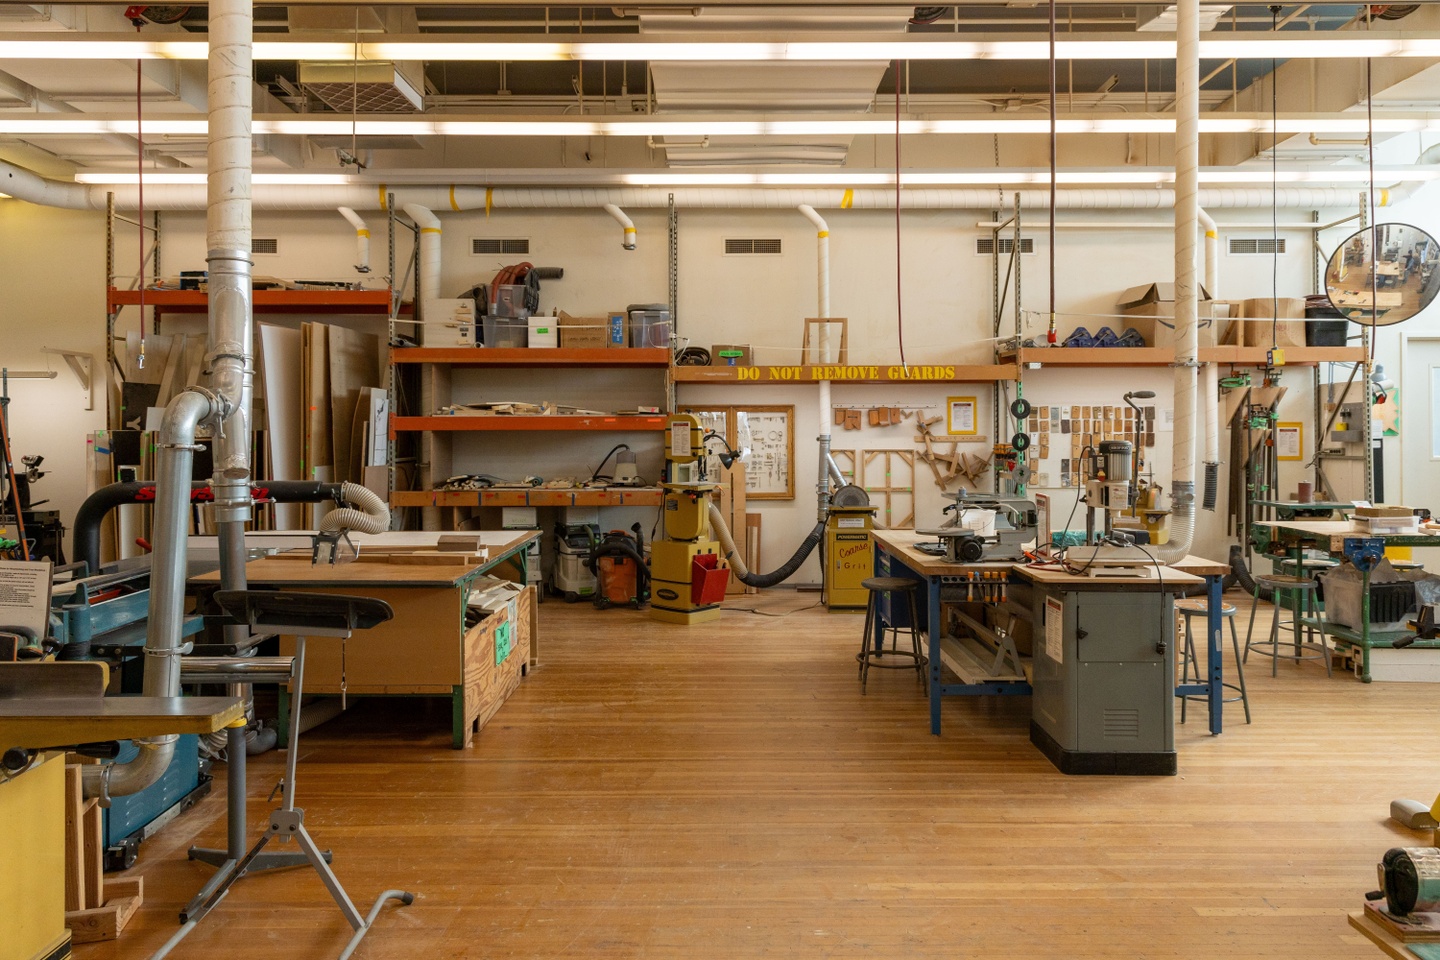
<point>1054,627</point>
<point>25,594</point>
<point>1166,422</point>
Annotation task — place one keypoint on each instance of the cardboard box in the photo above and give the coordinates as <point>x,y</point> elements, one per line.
<point>1384,510</point>
<point>544,332</point>
<point>745,359</point>
<point>1149,309</point>
<point>582,332</point>
<point>1289,331</point>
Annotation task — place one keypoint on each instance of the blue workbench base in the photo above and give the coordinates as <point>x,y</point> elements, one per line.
<point>1103,764</point>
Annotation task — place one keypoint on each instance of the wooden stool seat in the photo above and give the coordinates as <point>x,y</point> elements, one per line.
<point>887,584</point>
<point>874,656</point>
<point>1193,607</point>
<point>1201,608</point>
<point>1309,638</point>
<point>1287,582</point>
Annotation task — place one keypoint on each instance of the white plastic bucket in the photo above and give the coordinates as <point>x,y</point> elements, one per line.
<point>979,519</point>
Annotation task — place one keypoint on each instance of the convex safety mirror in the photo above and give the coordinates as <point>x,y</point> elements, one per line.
<point>1386,285</point>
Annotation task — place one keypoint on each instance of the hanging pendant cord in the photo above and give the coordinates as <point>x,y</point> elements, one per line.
<point>1274,190</point>
<point>140,197</point>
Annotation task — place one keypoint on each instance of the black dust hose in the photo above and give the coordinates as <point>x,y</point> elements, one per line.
<point>92,513</point>
<point>737,565</point>
<point>1242,572</point>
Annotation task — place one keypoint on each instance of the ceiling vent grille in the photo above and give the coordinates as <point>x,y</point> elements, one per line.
<point>985,246</point>
<point>751,246</point>
<point>264,245</point>
<point>496,245</point>
<point>1246,246</point>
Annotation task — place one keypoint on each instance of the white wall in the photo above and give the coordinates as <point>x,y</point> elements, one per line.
<point>54,262</point>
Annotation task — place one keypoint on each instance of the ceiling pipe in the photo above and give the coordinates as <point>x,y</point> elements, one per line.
<point>362,239</point>
<point>628,239</point>
<point>26,185</point>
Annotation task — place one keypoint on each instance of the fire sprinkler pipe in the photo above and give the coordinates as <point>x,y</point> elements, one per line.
<point>628,238</point>
<point>362,239</point>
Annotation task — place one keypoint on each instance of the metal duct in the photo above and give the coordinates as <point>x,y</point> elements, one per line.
<point>628,239</point>
<point>1187,333</point>
<point>822,282</point>
<point>227,404</point>
<point>362,239</point>
<point>26,185</point>
<point>428,282</point>
<point>1211,411</point>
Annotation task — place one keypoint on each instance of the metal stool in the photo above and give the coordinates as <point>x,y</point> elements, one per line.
<point>1201,608</point>
<point>868,657</point>
<point>1303,596</point>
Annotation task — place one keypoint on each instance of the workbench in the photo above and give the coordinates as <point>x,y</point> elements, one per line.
<point>896,556</point>
<point>1288,540</point>
<point>426,650</point>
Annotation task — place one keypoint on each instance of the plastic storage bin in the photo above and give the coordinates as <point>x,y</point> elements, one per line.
<point>510,301</point>
<point>543,332</point>
<point>507,332</point>
<point>1324,325</point>
<point>649,325</point>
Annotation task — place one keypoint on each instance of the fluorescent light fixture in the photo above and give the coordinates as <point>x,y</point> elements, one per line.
<point>34,125</point>
<point>1099,46</point>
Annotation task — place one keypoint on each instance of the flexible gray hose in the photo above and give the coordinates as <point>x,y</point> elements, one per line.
<point>368,513</point>
<point>737,565</point>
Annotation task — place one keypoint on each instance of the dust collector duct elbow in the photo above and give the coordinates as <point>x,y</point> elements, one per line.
<point>628,240</point>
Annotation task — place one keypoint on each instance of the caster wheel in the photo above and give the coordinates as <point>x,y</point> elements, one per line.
<point>123,855</point>
<point>571,596</point>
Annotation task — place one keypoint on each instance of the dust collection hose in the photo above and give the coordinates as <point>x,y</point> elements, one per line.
<point>1242,573</point>
<point>737,565</point>
<point>368,513</point>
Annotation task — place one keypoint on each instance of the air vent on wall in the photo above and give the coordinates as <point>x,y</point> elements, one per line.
<point>264,245</point>
<point>985,246</point>
<point>484,245</point>
<point>752,246</point>
<point>1249,245</point>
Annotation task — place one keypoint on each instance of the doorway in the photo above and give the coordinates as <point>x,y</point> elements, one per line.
<point>1420,413</point>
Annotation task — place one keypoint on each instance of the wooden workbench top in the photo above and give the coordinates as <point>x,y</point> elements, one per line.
<point>1169,577</point>
<point>26,722</point>
<point>902,543</point>
<point>289,570</point>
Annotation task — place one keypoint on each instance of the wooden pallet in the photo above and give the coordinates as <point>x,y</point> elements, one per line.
<point>96,909</point>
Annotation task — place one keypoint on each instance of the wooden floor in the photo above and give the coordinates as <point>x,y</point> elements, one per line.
<point>725,792</point>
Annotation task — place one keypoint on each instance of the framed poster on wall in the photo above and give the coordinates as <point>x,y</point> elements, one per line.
<point>764,437</point>
<point>960,416</point>
<point>1289,441</point>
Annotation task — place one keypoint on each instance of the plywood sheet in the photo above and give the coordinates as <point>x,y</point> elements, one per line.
<point>281,378</point>
<point>354,364</point>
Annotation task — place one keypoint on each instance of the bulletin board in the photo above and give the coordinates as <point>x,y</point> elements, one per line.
<point>764,436</point>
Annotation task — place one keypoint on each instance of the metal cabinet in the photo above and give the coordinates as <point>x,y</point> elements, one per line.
<point>1104,679</point>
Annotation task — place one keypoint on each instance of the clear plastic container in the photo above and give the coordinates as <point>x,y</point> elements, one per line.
<point>507,332</point>
<point>510,301</point>
<point>650,328</point>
